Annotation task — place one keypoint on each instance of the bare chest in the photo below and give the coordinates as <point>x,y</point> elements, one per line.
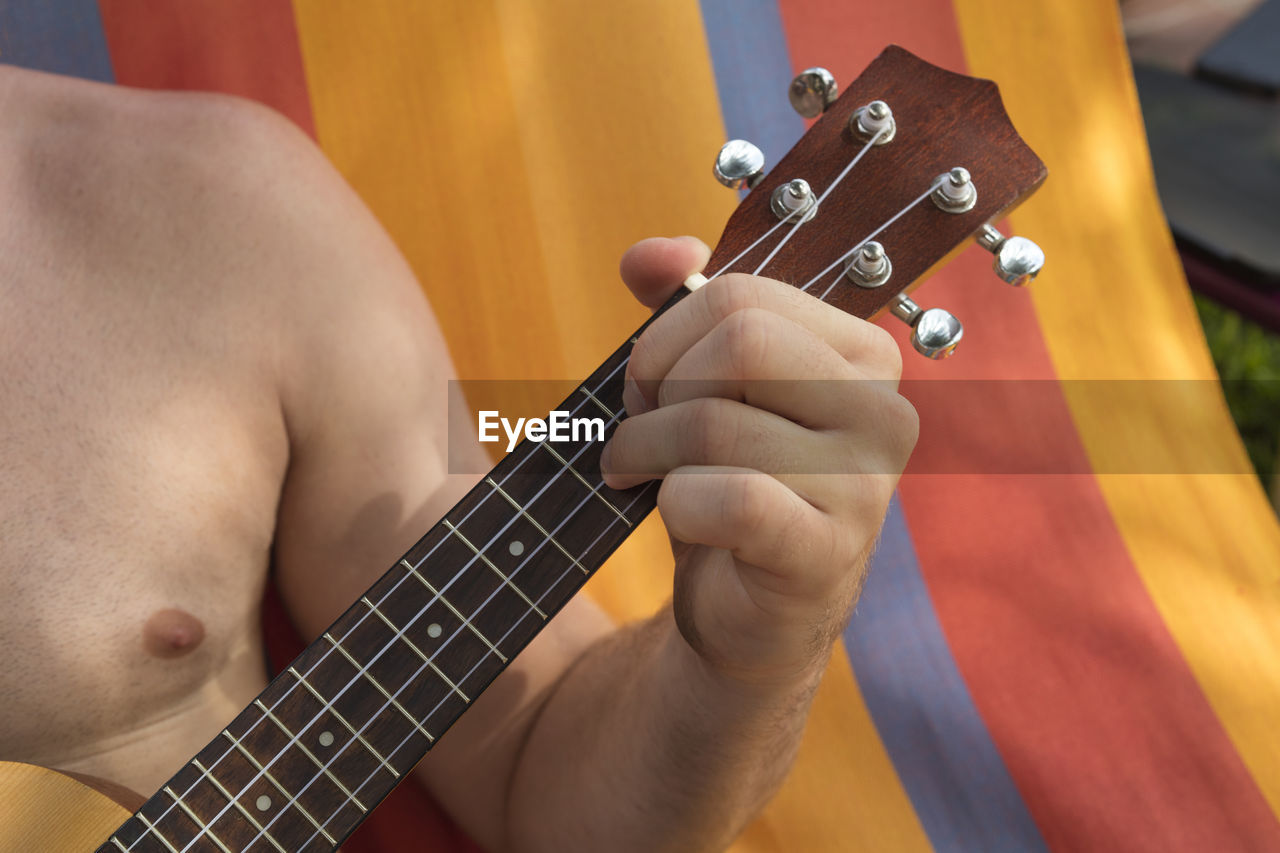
<point>138,482</point>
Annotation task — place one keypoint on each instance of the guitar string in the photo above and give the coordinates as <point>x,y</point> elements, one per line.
<point>363,670</point>
<point>839,178</point>
<point>476,665</point>
<point>865,240</point>
<point>577,407</point>
<point>821,198</point>
<point>488,494</point>
<point>568,517</point>
<point>422,667</point>
<point>766,235</point>
<point>572,513</point>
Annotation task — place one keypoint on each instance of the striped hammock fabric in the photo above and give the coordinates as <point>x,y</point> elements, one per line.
<point>1084,658</point>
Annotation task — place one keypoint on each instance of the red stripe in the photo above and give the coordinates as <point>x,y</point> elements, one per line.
<point>1096,713</point>
<point>238,47</point>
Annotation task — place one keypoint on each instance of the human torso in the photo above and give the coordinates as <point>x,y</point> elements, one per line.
<point>141,455</point>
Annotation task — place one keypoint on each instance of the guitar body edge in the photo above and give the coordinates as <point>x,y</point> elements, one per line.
<point>46,810</point>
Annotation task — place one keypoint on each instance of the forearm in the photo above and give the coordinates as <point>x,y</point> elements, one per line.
<point>642,746</point>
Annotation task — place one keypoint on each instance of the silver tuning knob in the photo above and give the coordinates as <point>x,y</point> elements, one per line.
<point>812,91</point>
<point>739,164</point>
<point>1018,260</point>
<point>935,333</point>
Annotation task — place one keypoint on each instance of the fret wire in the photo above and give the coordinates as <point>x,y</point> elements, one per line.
<point>595,490</point>
<point>506,477</point>
<point>568,517</point>
<point>525,458</point>
<point>474,666</point>
<point>294,740</point>
<point>550,481</point>
<point>363,671</point>
<point>118,843</point>
<point>400,633</point>
<point>232,801</point>
<point>547,536</point>
<point>497,571</point>
<point>204,830</point>
<point>151,828</point>
<point>596,400</point>
<point>190,788</point>
<point>357,734</point>
<point>459,574</point>
<point>593,544</point>
<point>292,799</point>
<point>463,619</point>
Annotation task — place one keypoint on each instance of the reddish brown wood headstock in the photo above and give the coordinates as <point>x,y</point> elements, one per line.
<point>943,120</point>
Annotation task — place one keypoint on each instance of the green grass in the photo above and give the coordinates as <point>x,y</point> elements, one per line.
<point>1248,360</point>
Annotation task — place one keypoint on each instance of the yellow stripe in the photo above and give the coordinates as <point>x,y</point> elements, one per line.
<point>412,103</point>
<point>1113,304</point>
<point>513,151</point>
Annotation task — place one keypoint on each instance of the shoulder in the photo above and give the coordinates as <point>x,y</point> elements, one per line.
<point>208,202</point>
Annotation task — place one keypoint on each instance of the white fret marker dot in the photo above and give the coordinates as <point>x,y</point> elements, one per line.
<point>326,738</point>
<point>263,803</point>
<point>516,548</point>
<point>433,630</point>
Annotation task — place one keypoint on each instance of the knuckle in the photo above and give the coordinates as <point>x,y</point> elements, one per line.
<point>883,352</point>
<point>748,503</point>
<point>747,337</point>
<point>705,431</point>
<point>907,419</point>
<point>730,293</point>
<point>896,428</point>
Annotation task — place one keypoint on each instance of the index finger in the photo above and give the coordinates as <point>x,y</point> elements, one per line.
<point>868,347</point>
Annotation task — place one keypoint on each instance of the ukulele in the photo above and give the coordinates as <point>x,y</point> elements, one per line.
<point>896,174</point>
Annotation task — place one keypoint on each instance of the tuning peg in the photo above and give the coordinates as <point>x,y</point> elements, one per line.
<point>872,119</point>
<point>812,91</point>
<point>955,192</point>
<point>794,200</point>
<point>1018,260</point>
<point>870,266</point>
<point>739,164</point>
<point>934,333</point>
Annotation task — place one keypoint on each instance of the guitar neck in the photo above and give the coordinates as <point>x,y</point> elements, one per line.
<point>328,738</point>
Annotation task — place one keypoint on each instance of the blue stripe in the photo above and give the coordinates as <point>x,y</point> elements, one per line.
<point>63,38</point>
<point>752,68</point>
<point>957,781</point>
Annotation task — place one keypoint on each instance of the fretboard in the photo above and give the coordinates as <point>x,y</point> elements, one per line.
<point>328,739</point>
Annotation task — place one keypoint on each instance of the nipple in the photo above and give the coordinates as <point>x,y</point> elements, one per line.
<point>172,633</point>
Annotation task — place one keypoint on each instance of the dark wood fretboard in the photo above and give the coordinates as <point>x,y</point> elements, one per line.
<point>328,739</point>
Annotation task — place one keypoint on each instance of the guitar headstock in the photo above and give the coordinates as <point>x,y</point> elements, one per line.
<point>937,161</point>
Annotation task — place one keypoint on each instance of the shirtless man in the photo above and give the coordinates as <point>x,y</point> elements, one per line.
<point>214,364</point>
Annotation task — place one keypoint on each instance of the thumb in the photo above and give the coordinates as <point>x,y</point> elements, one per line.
<point>654,268</point>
